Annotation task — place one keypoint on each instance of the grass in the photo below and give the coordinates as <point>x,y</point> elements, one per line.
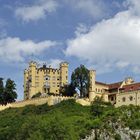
<point>64,121</point>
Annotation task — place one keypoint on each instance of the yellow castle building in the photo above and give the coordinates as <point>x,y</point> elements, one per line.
<point>44,79</point>
<point>125,92</point>
<point>49,80</point>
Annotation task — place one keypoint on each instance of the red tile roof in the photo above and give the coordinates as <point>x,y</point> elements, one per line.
<point>131,87</point>
<point>114,85</point>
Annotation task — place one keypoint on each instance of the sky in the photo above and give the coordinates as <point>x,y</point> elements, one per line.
<point>104,35</point>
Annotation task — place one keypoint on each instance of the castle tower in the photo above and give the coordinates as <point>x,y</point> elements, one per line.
<point>92,74</point>
<point>26,87</point>
<point>44,79</point>
<point>64,73</point>
<point>32,78</point>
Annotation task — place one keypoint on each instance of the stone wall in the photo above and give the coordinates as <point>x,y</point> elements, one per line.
<point>128,98</point>
<point>51,100</point>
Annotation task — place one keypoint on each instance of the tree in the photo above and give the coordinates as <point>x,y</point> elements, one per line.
<point>99,106</point>
<point>1,90</point>
<point>80,80</point>
<point>10,92</point>
<point>68,90</point>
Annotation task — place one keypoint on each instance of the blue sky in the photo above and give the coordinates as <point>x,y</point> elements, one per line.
<point>101,34</point>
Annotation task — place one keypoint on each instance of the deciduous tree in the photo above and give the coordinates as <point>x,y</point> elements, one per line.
<point>68,90</point>
<point>80,80</point>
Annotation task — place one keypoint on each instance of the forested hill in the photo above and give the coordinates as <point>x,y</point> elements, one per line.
<point>70,121</point>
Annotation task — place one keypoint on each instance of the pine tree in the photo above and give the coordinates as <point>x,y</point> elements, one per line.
<point>10,92</point>
<point>1,90</point>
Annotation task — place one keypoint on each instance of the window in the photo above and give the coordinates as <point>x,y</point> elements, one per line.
<point>131,98</point>
<point>47,78</point>
<point>123,99</point>
<point>112,99</point>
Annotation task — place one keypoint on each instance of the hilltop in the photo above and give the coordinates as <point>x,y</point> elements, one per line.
<point>69,120</point>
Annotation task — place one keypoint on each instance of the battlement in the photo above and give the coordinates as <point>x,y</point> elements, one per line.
<point>35,80</point>
<point>64,64</point>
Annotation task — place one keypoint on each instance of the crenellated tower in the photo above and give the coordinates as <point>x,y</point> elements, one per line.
<point>64,73</point>
<point>92,74</point>
<point>26,86</point>
<point>44,80</point>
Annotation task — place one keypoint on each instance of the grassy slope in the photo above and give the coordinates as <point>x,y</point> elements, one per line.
<point>67,120</point>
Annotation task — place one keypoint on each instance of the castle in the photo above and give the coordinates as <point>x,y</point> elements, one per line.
<point>44,79</point>
<point>49,80</point>
<point>125,92</point>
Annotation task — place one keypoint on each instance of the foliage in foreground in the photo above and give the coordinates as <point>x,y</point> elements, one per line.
<point>7,92</point>
<point>64,121</point>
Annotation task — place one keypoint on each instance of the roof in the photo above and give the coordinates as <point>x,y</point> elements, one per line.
<point>131,87</point>
<point>114,85</point>
<point>110,86</point>
<point>101,83</point>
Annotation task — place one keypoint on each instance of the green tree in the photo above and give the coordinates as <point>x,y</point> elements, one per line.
<point>10,92</point>
<point>99,106</point>
<point>68,90</point>
<point>80,80</point>
<point>1,90</point>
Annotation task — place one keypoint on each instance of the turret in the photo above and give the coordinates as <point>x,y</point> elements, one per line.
<point>92,74</point>
<point>64,73</point>
<point>129,80</point>
<point>32,76</point>
<point>26,84</point>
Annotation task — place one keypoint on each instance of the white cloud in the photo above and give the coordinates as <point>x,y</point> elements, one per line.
<point>133,6</point>
<point>14,49</point>
<point>114,42</point>
<point>94,8</point>
<point>81,29</point>
<point>36,11</point>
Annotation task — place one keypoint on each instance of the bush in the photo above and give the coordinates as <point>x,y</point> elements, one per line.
<point>37,95</point>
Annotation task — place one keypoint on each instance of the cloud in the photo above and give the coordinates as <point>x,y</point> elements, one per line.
<point>94,8</point>
<point>112,43</point>
<point>133,6</point>
<point>36,11</point>
<point>15,49</point>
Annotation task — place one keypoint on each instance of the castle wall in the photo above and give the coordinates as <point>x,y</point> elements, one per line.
<point>51,100</point>
<point>128,98</point>
<point>99,88</point>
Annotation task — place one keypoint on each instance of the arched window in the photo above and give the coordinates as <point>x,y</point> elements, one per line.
<point>123,99</point>
<point>131,98</point>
